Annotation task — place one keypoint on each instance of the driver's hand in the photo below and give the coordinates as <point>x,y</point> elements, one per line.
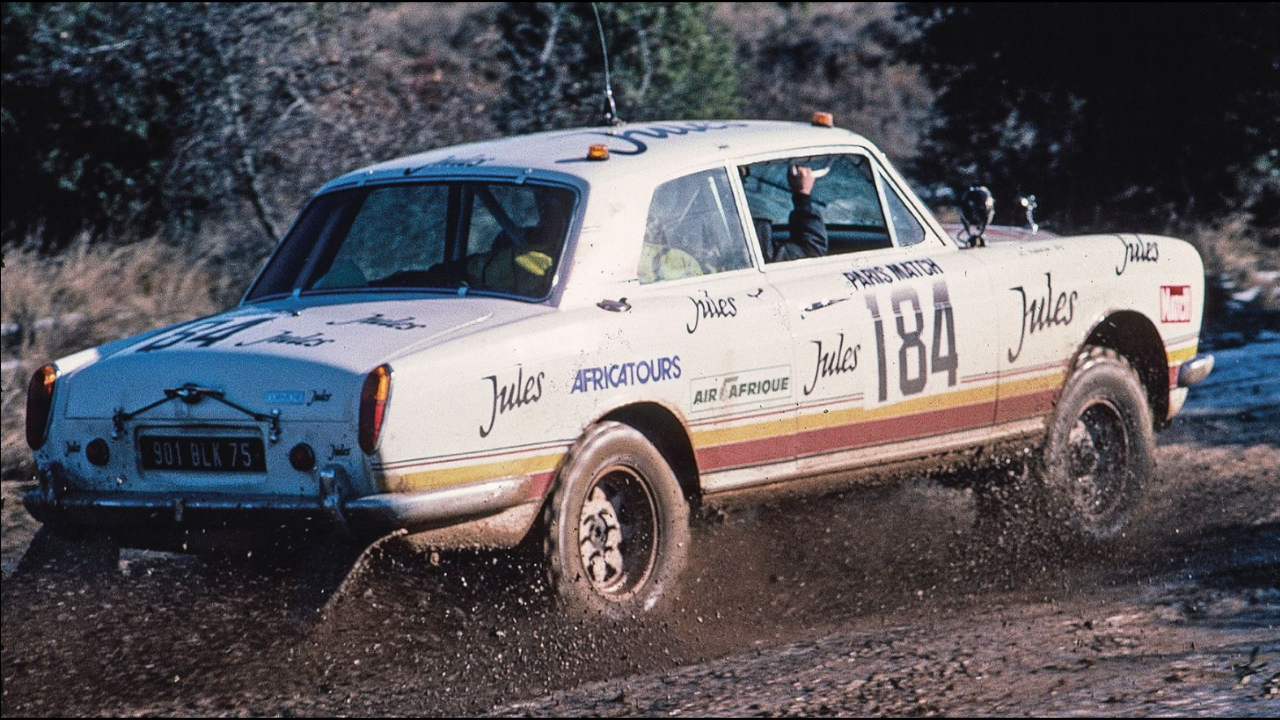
<point>801,179</point>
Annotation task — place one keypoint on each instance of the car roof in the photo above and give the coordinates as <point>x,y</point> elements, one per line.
<point>639,148</point>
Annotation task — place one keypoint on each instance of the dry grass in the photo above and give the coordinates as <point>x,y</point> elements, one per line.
<point>90,295</point>
<point>1234,256</point>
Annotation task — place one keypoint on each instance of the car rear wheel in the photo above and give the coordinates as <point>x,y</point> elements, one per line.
<point>617,525</point>
<point>1085,483</point>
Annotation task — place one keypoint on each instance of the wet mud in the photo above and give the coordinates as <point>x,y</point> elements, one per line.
<point>879,601</point>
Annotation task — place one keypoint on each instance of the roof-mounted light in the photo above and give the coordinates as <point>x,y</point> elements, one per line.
<point>598,152</point>
<point>823,119</point>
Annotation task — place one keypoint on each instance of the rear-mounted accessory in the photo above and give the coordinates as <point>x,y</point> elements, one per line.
<point>40,405</point>
<point>193,394</point>
<point>98,452</point>
<point>373,406</point>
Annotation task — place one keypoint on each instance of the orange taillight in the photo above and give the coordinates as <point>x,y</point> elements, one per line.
<point>373,406</point>
<point>40,405</point>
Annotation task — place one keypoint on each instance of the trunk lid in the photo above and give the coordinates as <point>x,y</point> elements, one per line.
<point>306,359</point>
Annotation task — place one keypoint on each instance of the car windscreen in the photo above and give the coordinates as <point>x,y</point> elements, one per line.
<point>492,238</point>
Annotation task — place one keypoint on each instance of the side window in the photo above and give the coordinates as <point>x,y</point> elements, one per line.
<point>905,226</point>
<point>844,198</point>
<point>692,229</point>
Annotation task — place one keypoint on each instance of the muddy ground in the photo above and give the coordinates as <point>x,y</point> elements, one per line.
<point>882,601</point>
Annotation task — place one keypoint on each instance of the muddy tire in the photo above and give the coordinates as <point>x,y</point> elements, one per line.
<point>616,526</point>
<point>1084,484</point>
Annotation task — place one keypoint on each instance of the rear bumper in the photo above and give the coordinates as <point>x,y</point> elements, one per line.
<point>148,516</point>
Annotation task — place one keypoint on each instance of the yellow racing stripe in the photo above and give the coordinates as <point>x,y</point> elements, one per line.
<point>1181,355</point>
<point>461,474</point>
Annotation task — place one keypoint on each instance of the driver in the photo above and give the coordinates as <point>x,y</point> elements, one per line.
<point>808,236</point>
<point>523,268</point>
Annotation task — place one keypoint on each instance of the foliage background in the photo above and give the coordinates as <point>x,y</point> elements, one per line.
<point>153,153</point>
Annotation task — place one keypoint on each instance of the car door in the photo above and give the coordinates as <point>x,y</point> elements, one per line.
<point>702,298</point>
<point>932,382</point>
<point>884,338</point>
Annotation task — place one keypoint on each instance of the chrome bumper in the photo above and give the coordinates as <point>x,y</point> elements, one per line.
<point>437,508</point>
<point>1190,373</point>
<point>1195,370</point>
<point>371,515</point>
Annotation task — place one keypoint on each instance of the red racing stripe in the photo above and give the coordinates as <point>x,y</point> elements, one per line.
<point>1028,405</point>
<point>845,437</point>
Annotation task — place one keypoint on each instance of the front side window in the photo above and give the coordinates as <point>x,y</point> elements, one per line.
<point>905,225</point>
<point>843,198</point>
<point>458,237</point>
<point>693,229</point>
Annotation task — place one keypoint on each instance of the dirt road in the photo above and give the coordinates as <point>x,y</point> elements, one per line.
<point>881,602</point>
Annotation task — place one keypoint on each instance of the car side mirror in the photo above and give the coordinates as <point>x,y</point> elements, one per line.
<point>977,209</point>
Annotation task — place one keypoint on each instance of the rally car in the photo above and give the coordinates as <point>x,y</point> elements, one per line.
<point>575,337</point>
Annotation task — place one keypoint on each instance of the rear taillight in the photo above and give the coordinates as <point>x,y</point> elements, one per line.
<point>373,406</point>
<point>39,405</point>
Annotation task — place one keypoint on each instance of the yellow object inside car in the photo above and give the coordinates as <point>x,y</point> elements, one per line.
<point>513,270</point>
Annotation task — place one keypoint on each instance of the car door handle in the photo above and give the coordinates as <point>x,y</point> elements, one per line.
<point>619,305</point>
<point>824,303</point>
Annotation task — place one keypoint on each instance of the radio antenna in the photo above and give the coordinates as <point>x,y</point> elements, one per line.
<point>610,109</point>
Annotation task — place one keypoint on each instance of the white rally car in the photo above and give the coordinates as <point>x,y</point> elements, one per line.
<point>583,333</point>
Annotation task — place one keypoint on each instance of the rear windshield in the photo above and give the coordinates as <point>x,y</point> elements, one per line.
<point>490,238</point>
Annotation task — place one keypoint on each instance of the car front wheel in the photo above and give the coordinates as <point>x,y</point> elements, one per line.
<point>617,525</point>
<point>1085,483</point>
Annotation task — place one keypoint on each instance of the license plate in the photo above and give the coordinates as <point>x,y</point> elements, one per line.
<point>202,454</point>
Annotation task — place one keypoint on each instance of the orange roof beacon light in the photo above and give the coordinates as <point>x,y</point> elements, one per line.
<point>598,152</point>
<point>823,119</point>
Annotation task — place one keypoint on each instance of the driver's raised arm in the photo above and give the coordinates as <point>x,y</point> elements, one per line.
<point>808,231</point>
